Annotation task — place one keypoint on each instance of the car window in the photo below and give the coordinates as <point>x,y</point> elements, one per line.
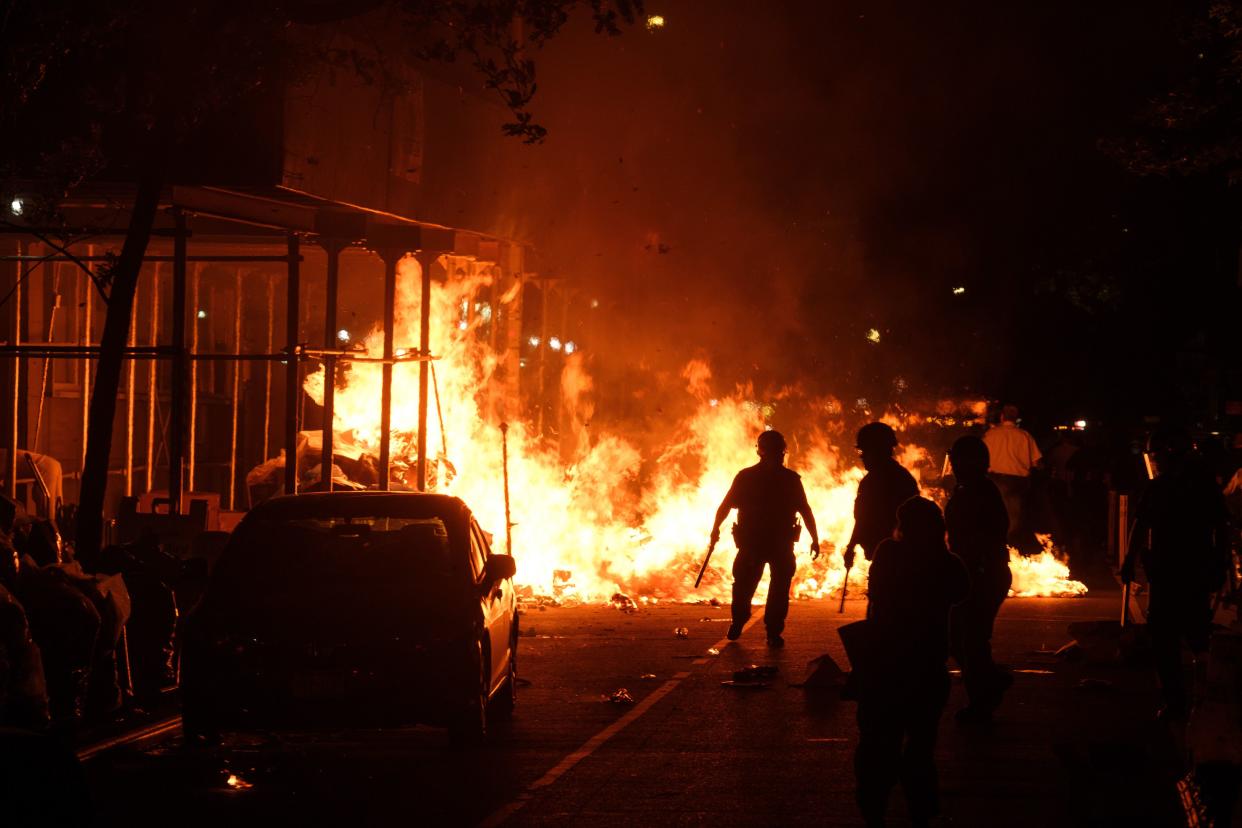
<point>411,557</point>
<point>478,550</point>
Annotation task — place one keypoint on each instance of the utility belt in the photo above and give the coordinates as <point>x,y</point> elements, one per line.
<point>757,536</point>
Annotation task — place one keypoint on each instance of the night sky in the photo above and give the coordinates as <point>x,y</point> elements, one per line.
<point>761,184</point>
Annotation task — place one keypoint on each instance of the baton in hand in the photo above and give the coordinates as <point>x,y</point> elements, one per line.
<point>845,584</point>
<point>703,568</point>
<point>845,587</point>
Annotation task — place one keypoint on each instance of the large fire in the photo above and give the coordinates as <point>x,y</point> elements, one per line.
<point>589,528</point>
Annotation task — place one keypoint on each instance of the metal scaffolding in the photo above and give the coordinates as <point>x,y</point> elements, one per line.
<point>231,218</point>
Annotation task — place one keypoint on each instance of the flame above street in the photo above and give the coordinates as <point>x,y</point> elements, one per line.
<point>586,523</point>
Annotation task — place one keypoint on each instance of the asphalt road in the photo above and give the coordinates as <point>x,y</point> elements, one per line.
<point>1074,744</point>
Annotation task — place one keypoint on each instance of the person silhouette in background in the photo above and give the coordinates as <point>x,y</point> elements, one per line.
<point>886,486</point>
<point>1014,455</point>
<point>767,497</point>
<point>977,526</point>
<point>1181,534</point>
<point>904,684</point>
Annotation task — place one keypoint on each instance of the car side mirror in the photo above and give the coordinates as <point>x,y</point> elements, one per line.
<point>499,567</point>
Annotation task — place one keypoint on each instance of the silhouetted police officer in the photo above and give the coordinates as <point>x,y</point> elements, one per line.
<point>1181,534</point>
<point>978,525</point>
<point>903,684</point>
<point>886,486</point>
<point>767,497</point>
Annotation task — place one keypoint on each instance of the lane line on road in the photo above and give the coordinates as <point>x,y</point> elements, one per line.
<point>151,731</point>
<point>593,744</point>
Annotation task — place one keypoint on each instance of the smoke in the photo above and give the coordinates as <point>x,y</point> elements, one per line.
<point>757,186</point>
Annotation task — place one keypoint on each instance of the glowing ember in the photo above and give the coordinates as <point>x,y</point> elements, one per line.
<point>237,783</point>
<point>654,22</point>
<point>591,520</point>
<point>873,336</point>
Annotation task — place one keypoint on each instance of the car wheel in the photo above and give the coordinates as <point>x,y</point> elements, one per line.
<point>469,727</point>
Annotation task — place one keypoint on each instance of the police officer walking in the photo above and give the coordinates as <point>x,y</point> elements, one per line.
<point>886,486</point>
<point>978,525</point>
<point>903,683</point>
<point>767,497</point>
<point>1181,533</point>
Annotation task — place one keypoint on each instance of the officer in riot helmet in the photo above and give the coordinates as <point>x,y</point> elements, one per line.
<point>977,526</point>
<point>768,498</point>
<point>886,486</point>
<point>1181,535</point>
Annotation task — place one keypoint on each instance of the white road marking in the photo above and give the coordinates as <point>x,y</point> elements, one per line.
<point>151,731</point>
<point>593,744</point>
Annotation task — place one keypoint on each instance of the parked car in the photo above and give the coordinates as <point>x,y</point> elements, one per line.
<point>353,609</point>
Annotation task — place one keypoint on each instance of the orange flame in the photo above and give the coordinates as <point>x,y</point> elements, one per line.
<point>586,526</point>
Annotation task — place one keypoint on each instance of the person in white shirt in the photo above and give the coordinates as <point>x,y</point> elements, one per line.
<point>1013,455</point>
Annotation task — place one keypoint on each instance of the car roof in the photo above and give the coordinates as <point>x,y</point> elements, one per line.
<point>348,504</point>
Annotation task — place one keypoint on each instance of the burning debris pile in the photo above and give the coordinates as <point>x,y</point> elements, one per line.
<point>593,529</point>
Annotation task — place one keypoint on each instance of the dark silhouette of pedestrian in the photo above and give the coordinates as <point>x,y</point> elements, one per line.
<point>1181,534</point>
<point>977,526</point>
<point>886,486</point>
<point>903,684</point>
<point>768,497</point>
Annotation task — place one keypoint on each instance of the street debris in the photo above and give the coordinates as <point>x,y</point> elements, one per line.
<point>755,673</point>
<point>647,676</point>
<point>714,620</point>
<point>527,633</point>
<point>745,685</point>
<point>618,696</point>
<point>623,602</point>
<point>681,632</point>
<point>822,673</point>
<point>713,651</point>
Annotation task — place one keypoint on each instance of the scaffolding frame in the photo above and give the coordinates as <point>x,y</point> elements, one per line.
<point>261,217</point>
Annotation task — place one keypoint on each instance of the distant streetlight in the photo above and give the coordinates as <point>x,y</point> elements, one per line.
<point>342,335</point>
<point>554,343</point>
<point>16,207</point>
<point>570,347</point>
<point>959,290</point>
<point>534,341</point>
<point>202,314</point>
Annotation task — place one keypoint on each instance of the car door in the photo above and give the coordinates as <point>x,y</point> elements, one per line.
<point>495,605</point>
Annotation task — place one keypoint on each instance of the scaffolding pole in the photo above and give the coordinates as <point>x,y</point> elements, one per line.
<point>153,376</point>
<point>426,259</point>
<point>176,418</point>
<point>237,334</point>
<point>292,385</point>
<point>333,249</point>
<point>390,303</point>
<point>192,453</point>
<point>10,475</point>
